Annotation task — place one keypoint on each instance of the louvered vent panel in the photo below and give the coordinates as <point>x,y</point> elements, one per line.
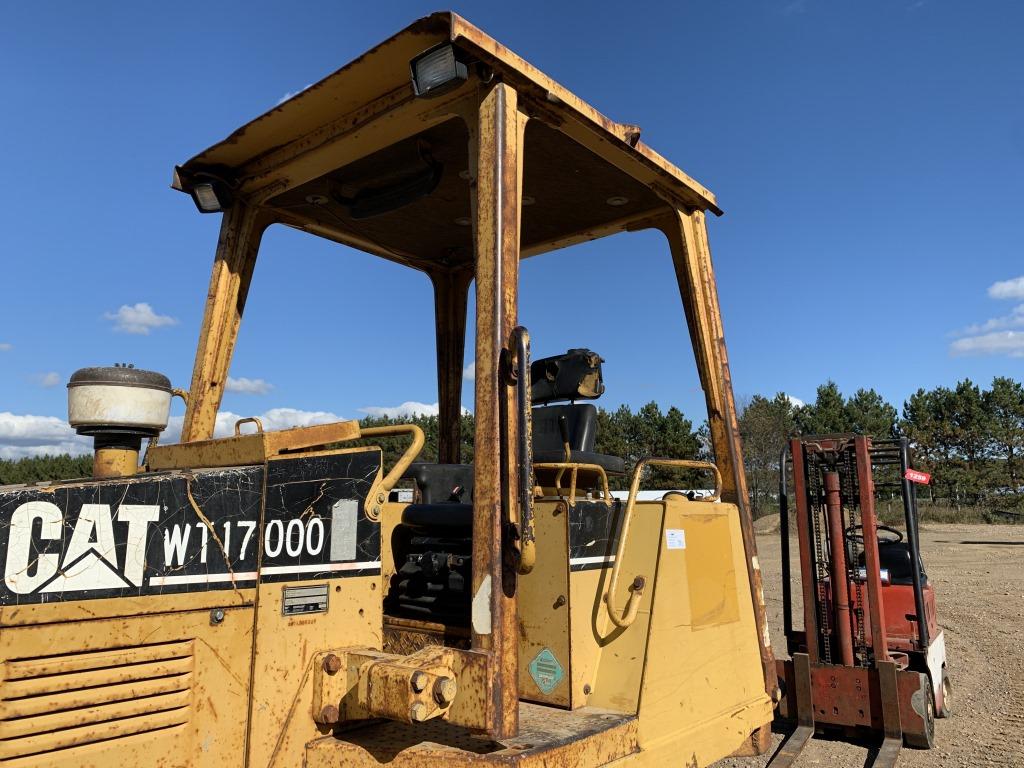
<point>59,702</point>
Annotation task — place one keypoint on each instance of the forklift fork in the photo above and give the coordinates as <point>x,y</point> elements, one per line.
<point>794,744</point>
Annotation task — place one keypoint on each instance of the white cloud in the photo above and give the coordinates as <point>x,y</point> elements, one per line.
<point>994,337</point>
<point>50,379</point>
<point>24,435</point>
<point>796,402</point>
<point>246,386</point>
<point>998,343</point>
<point>138,319</point>
<point>1013,320</point>
<point>1007,289</point>
<point>291,94</point>
<point>4,347</point>
<point>410,408</point>
<point>275,418</point>
<point>469,372</point>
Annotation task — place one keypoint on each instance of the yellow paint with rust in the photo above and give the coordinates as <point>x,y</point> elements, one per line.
<point>285,650</point>
<point>544,605</point>
<point>153,689</point>
<point>703,693</point>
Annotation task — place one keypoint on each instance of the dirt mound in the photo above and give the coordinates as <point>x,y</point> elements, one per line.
<point>766,524</point>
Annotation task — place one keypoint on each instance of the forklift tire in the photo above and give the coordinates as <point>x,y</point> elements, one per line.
<point>927,739</point>
<point>947,694</point>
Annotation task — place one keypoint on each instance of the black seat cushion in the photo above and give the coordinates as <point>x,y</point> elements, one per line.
<point>581,429</point>
<point>439,483</point>
<point>450,518</point>
<point>895,556</point>
<point>580,423</point>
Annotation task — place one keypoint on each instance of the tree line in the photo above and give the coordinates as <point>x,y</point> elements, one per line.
<point>970,439</point>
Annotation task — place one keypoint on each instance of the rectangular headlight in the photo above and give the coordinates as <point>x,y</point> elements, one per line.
<point>437,70</point>
<point>210,197</point>
<point>206,198</point>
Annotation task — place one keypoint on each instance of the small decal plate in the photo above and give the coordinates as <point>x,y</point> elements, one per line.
<point>675,538</point>
<point>296,601</point>
<point>546,671</point>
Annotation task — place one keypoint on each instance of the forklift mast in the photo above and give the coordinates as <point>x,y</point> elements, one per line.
<point>870,655</point>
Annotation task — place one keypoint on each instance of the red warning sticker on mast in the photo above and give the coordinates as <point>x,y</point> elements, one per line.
<point>915,476</point>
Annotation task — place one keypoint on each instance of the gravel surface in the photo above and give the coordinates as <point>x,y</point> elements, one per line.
<point>978,574</point>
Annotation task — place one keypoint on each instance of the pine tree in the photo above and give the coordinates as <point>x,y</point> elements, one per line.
<point>826,415</point>
<point>866,413</point>
<point>1004,406</point>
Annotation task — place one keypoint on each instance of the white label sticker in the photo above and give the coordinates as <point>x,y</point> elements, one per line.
<point>675,538</point>
<point>344,519</point>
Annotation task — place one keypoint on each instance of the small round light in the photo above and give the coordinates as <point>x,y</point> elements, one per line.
<point>617,200</point>
<point>463,221</point>
<point>316,199</point>
<point>529,200</point>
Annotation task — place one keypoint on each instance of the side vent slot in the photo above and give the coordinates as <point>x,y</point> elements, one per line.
<point>63,701</point>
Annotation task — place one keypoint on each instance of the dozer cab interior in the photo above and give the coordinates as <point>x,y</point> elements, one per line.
<point>262,600</point>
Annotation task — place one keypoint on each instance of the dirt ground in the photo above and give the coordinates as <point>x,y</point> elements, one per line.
<point>978,575</point>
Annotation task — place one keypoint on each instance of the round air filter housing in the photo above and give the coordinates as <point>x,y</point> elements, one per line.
<point>119,399</point>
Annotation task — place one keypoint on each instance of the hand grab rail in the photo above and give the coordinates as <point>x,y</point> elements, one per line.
<point>520,343</point>
<point>379,490</point>
<point>636,589</point>
<point>575,468</point>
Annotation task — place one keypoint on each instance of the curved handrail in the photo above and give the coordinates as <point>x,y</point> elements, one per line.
<point>636,589</point>
<point>247,420</point>
<point>574,468</point>
<point>381,488</point>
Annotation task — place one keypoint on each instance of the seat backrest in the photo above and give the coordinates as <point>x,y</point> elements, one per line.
<point>580,422</point>
<point>576,375</point>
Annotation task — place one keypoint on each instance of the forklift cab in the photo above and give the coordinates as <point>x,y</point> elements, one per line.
<point>514,612</point>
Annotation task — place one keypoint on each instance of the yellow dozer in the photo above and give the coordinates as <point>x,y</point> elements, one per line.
<point>264,599</point>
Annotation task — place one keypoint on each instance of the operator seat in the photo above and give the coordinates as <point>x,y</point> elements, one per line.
<point>575,375</point>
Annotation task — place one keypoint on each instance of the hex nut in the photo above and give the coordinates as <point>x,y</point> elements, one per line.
<point>418,681</point>
<point>418,712</point>
<point>445,689</point>
<point>332,664</point>
<point>330,715</point>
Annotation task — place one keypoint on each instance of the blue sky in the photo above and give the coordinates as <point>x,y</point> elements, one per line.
<point>869,158</point>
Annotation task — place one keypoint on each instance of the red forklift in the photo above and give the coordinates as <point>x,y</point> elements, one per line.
<point>871,658</point>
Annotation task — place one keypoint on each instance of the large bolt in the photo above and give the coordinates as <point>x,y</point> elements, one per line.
<point>330,715</point>
<point>638,583</point>
<point>418,681</point>
<point>445,689</point>
<point>332,664</point>
<point>418,712</point>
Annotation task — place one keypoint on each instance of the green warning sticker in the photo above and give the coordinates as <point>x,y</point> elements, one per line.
<point>546,671</point>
